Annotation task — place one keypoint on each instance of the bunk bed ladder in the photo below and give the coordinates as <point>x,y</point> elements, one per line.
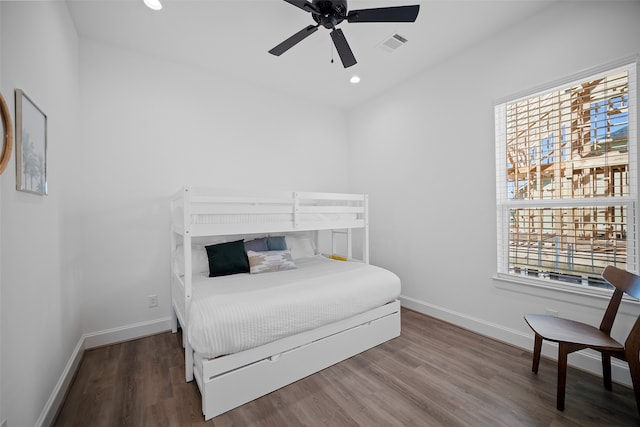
<point>348,232</point>
<point>345,232</point>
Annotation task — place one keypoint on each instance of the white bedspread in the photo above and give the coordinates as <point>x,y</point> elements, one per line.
<point>234,313</point>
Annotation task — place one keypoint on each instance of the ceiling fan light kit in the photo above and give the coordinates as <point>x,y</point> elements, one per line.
<point>329,13</point>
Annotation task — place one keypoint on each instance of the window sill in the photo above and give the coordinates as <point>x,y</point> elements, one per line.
<point>560,291</point>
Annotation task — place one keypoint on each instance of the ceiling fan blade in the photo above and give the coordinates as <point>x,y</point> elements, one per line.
<point>304,5</point>
<point>293,40</point>
<point>385,14</point>
<point>343,48</point>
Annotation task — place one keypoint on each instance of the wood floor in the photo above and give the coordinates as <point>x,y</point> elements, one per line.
<point>434,374</point>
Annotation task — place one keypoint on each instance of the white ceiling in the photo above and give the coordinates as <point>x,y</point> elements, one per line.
<point>232,38</point>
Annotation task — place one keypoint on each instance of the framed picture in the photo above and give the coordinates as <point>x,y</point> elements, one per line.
<point>7,135</point>
<point>31,146</point>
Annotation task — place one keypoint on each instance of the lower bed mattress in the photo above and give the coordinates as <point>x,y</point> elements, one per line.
<point>230,314</point>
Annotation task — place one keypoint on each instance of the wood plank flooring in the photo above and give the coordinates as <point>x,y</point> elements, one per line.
<point>434,374</point>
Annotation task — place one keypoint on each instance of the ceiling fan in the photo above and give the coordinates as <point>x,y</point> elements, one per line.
<point>330,13</point>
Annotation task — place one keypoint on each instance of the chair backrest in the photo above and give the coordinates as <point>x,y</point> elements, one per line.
<point>621,279</point>
<point>624,282</point>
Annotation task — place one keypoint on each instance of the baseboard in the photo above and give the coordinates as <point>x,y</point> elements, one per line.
<point>53,405</point>
<point>126,333</point>
<point>86,342</point>
<point>585,360</point>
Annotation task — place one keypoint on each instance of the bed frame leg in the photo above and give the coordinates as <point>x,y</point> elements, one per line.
<point>174,321</point>
<point>188,362</point>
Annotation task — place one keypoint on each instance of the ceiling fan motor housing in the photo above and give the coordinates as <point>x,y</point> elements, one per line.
<point>332,13</point>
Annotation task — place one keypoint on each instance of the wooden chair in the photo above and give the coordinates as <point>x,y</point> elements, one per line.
<point>573,336</point>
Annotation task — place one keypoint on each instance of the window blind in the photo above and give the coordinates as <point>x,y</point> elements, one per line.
<point>567,179</point>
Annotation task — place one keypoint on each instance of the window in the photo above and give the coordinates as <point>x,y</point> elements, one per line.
<point>567,179</point>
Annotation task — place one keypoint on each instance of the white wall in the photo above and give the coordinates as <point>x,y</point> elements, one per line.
<point>40,324</point>
<point>150,127</point>
<point>425,154</point>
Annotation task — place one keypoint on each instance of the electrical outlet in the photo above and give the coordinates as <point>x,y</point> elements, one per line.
<point>551,312</point>
<point>153,300</point>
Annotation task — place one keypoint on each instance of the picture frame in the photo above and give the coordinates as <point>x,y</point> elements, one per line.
<point>31,146</point>
<point>7,134</point>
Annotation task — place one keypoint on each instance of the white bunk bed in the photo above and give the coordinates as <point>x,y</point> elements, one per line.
<point>231,380</point>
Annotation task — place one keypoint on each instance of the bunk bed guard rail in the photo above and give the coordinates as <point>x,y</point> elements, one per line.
<point>209,212</point>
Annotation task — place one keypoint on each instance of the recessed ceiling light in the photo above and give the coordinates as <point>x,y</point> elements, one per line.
<point>153,4</point>
<point>355,79</point>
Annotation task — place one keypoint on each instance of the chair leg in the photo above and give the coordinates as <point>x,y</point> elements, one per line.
<point>634,369</point>
<point>563,351</point>
<point>606,371</point>
<point>537,348</point>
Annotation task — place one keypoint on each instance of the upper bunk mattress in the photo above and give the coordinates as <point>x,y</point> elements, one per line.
<point>233,313</point>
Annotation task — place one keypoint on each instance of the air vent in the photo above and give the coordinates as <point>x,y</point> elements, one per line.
<point>393,42</point>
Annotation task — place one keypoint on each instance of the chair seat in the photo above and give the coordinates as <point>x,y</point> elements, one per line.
<point>557,329</point>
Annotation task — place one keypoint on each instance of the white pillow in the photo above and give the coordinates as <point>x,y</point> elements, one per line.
<point>300,247</point>
<point>199,260</point>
